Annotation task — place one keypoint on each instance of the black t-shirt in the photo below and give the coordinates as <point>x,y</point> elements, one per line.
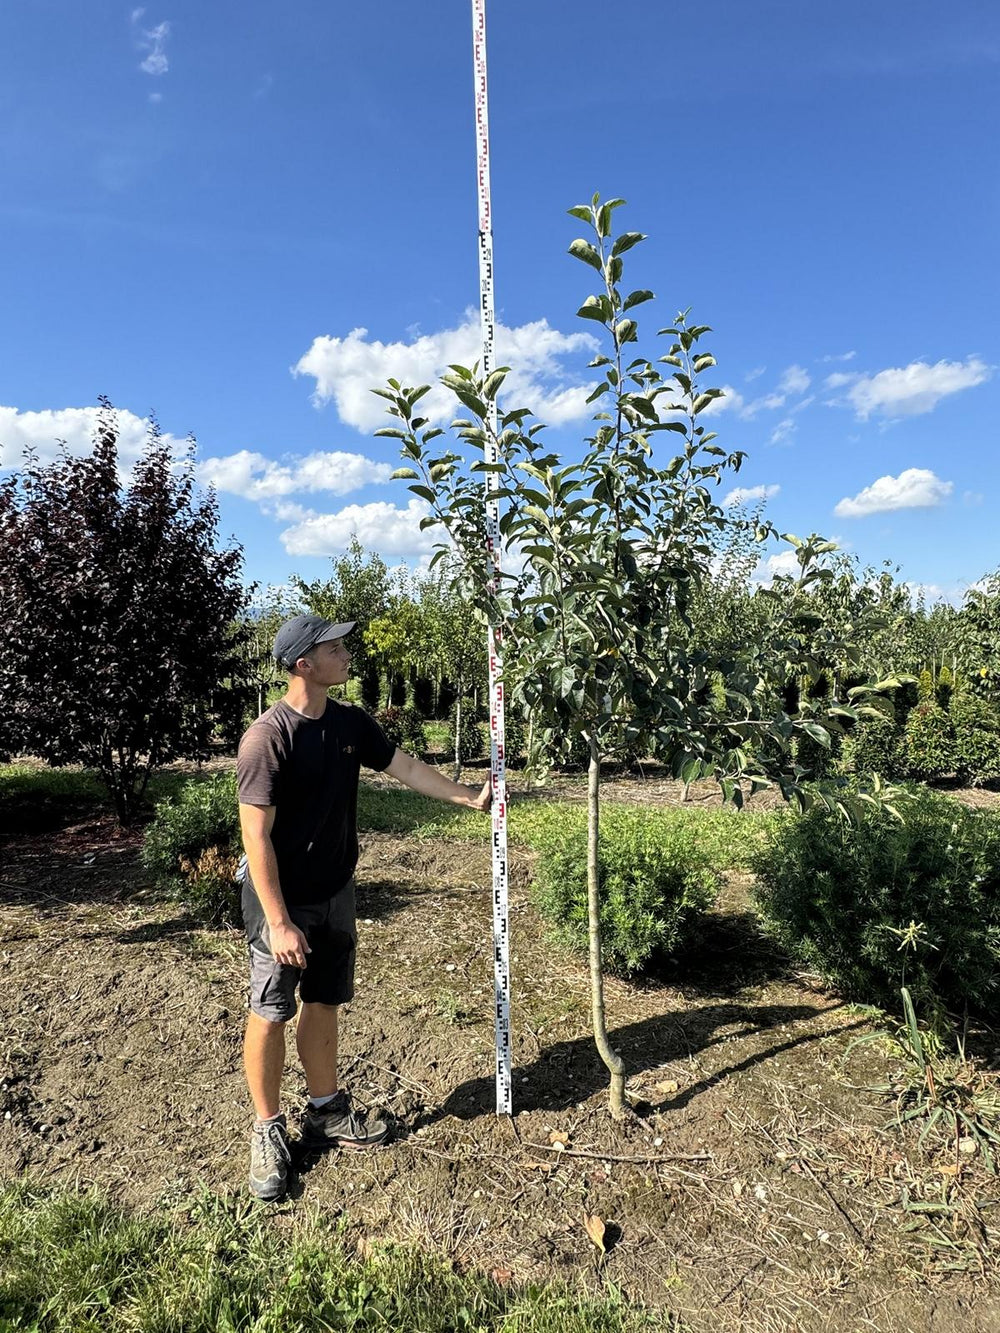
<point>307,768</point>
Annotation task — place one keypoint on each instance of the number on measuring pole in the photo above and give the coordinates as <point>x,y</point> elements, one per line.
<point>501,945</point>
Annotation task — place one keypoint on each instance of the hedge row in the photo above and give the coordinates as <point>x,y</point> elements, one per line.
<point>660,869</point>
<point>912,901</point>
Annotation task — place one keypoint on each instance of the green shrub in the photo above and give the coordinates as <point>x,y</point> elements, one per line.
<point>945,688</point>
<point>656,881</point>
<point>473,741</point>
<point>423,696</point>
<point>403,727</point>
<point>925,685</point>
<point>977,738</point>
<point>888,904</point>
<point>192,846</point>
<point>874,746</point>
<point>515,736</point>
<point>929,743</point>
<point>817,759</point>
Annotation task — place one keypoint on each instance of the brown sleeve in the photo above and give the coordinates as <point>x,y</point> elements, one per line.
<point>258,766</point>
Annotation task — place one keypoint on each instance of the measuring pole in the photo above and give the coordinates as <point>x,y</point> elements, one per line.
<point>501,942</point>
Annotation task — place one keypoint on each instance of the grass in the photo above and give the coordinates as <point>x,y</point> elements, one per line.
<point>73,1262</point>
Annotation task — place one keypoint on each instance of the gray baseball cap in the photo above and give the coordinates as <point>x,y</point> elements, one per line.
<point>301,633</point>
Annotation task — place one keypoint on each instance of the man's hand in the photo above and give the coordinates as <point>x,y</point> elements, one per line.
<point>288,944</point>
<point>484,799</point>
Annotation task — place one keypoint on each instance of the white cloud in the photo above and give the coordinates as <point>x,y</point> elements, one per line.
<point>777,566</point>
<point>258,478</point>
<point>770,402</point>
<point>153,42</point>
<point>381,527</point>
<point>794,380</point>
<point>155,97</point>
<point>42,431</point>
<point>844,356</point>
<point>916,488</point>
<point>347,369</point>
<point>783,431</point>
<point>754,374</point>
<point>806,402</point>
<point>744,494</point>
<point>838,379</point>
<point>914,389</point>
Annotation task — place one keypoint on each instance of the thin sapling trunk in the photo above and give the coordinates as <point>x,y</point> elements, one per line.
<point>611,1058</point>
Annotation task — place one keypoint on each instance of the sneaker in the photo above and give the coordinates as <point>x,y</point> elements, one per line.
<point>339,1124</point>
<point>269,1160</point>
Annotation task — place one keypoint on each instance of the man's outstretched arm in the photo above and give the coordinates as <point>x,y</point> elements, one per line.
<point>429,782</point>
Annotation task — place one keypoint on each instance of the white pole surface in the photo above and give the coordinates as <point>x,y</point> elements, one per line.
<point>501,944</point>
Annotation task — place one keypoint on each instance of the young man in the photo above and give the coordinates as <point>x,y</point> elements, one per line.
<point>297,774</point>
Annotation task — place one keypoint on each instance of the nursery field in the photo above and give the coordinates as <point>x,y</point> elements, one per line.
<point>762,1182</point>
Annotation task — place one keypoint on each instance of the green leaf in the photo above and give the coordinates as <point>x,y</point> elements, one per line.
<point>819,734</point>
<point>593,308</point>
<point>626,241</point>
<point>393,432</point>
<point>581,249</point>
<point>405,474</point>
<point>492,383</point>
<point>637,297</point>
<point>582,212</point>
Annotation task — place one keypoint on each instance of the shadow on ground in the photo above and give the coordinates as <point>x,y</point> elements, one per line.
<point>568,1072</point>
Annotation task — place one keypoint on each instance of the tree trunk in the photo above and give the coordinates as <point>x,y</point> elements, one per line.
<point>611,1058</point>
<point>457,773</point>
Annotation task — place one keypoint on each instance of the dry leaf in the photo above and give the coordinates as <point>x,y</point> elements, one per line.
<point>667,1087</point>
<point>951,1170</point>
<point>560,1139</point>
<point>737,1187</point>
<point>595,1230</point>
<point>502,1275</point>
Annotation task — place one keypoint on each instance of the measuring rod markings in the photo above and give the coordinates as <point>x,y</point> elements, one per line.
<point>501,946</point>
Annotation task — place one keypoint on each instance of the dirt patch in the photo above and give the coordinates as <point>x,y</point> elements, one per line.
<point>755,1189</point>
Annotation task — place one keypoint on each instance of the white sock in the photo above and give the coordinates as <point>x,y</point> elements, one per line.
<point>317,1102</point>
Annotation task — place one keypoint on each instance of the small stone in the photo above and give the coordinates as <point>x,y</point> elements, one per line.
<point>968,1146</point>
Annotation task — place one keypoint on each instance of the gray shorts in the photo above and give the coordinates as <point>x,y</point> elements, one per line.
<point>328,978</point>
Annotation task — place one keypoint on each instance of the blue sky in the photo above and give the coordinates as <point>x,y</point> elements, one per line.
<point>244,218</point>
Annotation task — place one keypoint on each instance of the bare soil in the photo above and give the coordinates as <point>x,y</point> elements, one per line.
<point>756,1187</point>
